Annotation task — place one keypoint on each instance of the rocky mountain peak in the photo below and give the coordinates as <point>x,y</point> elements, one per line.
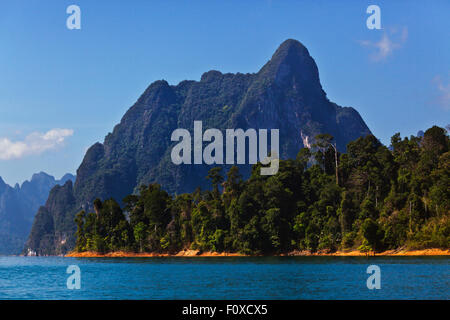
<point>292,65</point>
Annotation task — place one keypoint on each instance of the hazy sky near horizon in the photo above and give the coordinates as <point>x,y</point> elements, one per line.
<point>62,90</point>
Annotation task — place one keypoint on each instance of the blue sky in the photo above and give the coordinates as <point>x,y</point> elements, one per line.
<point>62,90</point>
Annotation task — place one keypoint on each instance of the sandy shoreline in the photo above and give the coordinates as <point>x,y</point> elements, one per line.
<point>123,254</point>
<point>196,253</point>
<point>396,252</point>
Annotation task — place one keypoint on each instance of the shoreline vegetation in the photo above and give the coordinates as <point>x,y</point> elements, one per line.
<point>296,253</point>
<point>371,200</point>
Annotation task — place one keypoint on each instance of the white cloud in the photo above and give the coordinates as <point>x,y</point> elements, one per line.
<point>444,93</point>
<point>34,143</point>
<point>390,41</point>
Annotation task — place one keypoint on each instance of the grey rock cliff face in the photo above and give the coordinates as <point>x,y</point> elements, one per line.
<point>285,94</point>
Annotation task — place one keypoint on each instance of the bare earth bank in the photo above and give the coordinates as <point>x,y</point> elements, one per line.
<point>196,253</point>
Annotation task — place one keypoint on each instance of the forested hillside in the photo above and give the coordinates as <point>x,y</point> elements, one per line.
<point>379,199</point>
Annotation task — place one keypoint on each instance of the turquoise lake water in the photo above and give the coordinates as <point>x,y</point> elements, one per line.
<point>225,278</point>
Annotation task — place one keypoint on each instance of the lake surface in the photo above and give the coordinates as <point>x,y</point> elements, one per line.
<point>225,278</point>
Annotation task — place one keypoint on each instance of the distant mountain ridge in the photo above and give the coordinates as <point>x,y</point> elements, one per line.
<point>18,206</point>
<point>285,94</point>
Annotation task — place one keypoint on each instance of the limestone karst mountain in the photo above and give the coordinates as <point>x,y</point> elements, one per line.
<point>18,205</point>
<point>285,94</point>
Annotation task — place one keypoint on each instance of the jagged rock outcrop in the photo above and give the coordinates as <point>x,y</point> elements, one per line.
<point>18,206</point>
<point>285,94</point>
